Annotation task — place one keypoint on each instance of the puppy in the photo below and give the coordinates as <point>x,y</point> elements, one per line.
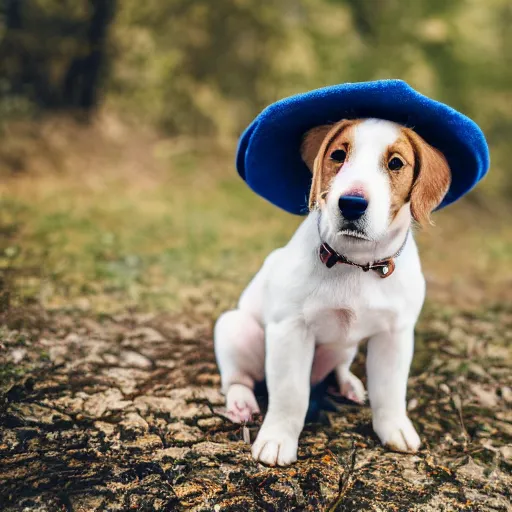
<point>350,273</point>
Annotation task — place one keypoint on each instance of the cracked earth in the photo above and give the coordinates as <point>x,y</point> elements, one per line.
<point>122,413</point>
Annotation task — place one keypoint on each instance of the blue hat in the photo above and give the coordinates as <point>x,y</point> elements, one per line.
<point>268,156</point>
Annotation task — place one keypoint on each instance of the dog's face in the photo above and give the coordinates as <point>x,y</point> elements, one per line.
<point>369,172</point>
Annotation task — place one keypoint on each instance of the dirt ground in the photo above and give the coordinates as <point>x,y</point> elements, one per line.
<point>122,413</point>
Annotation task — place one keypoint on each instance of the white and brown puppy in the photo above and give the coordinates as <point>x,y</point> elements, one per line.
<point>298,320</point>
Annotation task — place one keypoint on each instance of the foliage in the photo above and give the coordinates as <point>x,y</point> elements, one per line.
<point>196,67</point>
<point>199,66</point>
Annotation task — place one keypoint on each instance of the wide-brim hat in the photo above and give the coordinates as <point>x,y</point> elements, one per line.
<point>268,156</point>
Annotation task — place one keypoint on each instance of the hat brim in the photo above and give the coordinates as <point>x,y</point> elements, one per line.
<point>268,156</point>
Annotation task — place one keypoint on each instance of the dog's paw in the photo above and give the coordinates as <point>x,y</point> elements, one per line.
<point>275,446</point>
<point>396,432</point>
<point>241,404</point>
<point>352,388</point>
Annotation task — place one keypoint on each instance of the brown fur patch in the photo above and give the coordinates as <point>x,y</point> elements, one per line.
<point>401,181</point>
<point>312,142</point>
<point>433,178</point>
<point>318,144</point>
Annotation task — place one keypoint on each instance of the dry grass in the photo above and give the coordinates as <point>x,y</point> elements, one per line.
<point>109,216</point>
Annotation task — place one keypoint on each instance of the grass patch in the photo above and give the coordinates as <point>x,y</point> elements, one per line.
<point>153,245</point>
<point>158,227</point>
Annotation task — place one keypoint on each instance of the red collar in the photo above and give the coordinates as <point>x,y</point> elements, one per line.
<point>383,268</point>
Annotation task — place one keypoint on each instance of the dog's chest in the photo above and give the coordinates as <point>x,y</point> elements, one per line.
<point>354,313</point>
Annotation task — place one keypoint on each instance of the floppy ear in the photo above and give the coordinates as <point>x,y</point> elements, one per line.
<point>312,151</point>
<point>433,178</point>
<point>312,142</point>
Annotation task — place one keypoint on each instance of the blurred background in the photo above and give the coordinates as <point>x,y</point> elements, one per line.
<point>118,130</point>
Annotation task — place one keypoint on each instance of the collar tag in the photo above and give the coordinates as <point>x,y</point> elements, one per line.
<point>384,268</point>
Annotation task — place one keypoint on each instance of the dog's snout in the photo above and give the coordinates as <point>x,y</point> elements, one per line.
<point>352,207</point>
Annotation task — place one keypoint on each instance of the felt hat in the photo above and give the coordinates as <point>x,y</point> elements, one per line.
<point>268,156</point>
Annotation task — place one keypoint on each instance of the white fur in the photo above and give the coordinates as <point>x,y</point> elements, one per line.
<point>298,320</point>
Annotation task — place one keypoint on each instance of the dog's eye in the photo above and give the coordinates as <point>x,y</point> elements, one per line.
<point>395,164</point>
<point>339,155</point>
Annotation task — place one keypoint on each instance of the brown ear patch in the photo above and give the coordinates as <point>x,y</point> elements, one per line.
<point>313,149</point>
<point>433,178</point>
<point>312,142</point>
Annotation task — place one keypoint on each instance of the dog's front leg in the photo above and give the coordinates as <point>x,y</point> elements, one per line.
<point>388,361</point>
<point>289,357</point>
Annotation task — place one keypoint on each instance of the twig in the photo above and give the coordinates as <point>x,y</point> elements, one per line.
<point>345,479</point>
<point>457,402</point>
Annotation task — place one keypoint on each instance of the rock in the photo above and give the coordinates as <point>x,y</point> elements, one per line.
<point>472,471</point>
<point>443,387</point>
<point>157,404</point>
<point>208,423</point>
<point>505,416</point>
<point>126,379</point>
<point>111,359</point>
<point>132,359</point>
<point>439,327</point>
<point>110,400</point>
<point>180,432</point>
<point>191,393</point>
<point>505,427</point>
<point>498,352</point>
<point>162,363</point>
<point>174,407</point>
<point>457,336</point>
<point>18,354</point>
<point>210,449</point>
<point>506,394</point>
<point>486,397</point>
<point>478,370</point>
<point>148,334</point>
<point>506,452</point>
<point>58,354</point>
<point>185,332</point>
<point>106,428</point>
<point>174,453</point>
<point>73,338</point>
<point>133,424</point>
<point>413,403</point>
<point>33,414</point>
<point>145,443</point>
<point>72,405</point>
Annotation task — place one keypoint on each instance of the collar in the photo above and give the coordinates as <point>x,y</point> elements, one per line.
<point>384,268</point>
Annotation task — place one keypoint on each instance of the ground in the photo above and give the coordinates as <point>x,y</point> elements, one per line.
<point>123,412</point>
<point>109,392</point>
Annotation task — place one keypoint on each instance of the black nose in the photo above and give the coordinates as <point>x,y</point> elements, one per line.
<point>352,207</point>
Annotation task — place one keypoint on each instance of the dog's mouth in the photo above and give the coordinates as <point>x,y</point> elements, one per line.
<point>355,233</point>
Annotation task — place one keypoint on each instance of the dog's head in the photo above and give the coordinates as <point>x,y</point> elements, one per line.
<point>366,172</point>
